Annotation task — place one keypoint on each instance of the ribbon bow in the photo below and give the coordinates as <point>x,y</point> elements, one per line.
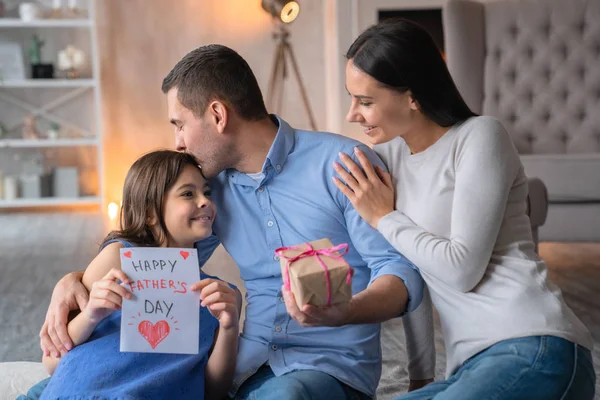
<point>311,252</point>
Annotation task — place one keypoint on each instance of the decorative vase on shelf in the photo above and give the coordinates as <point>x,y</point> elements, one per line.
<point>39,70</point>
<point>30,129</point>
<point>65,182</point>
<point>11,188</point>
<point>71,60</point>
<point>66,9</point>
<point>52,133</point>
<point>74,11</point>
<point>42,71</point>
<point>56,12</point>
<point>29,12</point>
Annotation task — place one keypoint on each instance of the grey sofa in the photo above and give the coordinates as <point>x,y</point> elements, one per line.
<point>535,65</point>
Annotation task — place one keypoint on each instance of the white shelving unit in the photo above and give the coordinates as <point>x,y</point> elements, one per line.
<point>46,23</point>
<point>48,83</point>
<point>70,91</point>
<point>50,202</point>
<point>44,143</point>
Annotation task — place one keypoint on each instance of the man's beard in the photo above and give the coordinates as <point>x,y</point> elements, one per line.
<point>210,168</point>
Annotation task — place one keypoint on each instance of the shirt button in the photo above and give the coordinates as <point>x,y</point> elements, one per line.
<point>277,328</point>
<point>278,168</point>
<point>261,189</point>
<point>274,347</point>
<point>270,223</point>
<point>276,258</point>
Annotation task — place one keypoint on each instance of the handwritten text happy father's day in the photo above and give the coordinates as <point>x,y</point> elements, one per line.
<point>163,315</point>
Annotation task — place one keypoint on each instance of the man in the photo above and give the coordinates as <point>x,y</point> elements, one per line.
<point>273,187</point>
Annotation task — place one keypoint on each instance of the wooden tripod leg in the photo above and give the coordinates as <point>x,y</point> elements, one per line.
<point>305,101</point>
<point>276,77</point>
<point>282,77</point>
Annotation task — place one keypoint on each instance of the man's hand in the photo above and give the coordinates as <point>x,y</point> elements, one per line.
<point>69,294</point>
<point>418,384</point>
<point>309,315</point>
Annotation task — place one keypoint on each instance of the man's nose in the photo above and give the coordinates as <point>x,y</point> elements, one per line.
<point>179,143</point>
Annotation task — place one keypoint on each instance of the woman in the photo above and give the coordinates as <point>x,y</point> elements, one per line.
<point>460,216</point>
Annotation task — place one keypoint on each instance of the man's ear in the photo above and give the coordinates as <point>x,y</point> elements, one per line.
<point>218,114</point>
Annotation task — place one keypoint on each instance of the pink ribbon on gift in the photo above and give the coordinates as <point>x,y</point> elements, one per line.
<point>310,252</point>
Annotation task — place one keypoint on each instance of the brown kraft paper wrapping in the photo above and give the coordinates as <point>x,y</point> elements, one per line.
<point>307,277</point>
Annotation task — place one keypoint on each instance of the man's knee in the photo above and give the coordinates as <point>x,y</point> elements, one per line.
<point>288,389</point>
<point>302,385</point>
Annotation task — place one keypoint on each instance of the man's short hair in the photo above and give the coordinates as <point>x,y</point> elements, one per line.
<point>216,72</point>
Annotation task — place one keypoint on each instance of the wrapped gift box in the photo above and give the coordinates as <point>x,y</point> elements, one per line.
<point>320,283</point>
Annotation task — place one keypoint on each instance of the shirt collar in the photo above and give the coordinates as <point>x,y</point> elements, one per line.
<point>281,147</point>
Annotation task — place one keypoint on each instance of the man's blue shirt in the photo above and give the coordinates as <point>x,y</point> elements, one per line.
<point>296,202</point>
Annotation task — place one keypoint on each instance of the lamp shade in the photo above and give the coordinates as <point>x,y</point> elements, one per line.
<point>285,10</point>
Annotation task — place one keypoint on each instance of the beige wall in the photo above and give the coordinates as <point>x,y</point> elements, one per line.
<point>141,40</point>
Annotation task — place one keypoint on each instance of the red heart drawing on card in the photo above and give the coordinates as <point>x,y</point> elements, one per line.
<point>127,254</point>
<point>184,254</point>
<point>154,333</point>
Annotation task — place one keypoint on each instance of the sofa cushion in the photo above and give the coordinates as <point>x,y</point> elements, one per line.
<point>568,177</point>
<point>17,377</point>
<point>571,223</point>
<point>541,73</point>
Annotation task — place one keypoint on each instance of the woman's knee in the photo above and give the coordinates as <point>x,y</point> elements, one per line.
<point>427,392</point>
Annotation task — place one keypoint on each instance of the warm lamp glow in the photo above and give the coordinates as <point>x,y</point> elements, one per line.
<point>289,12</point>
<point>285,10</point>
<point>113,210</point>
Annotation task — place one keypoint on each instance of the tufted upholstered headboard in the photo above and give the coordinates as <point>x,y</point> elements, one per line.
<point>534,64</point>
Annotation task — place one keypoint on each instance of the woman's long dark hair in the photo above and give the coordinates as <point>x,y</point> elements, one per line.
<point>146,184</point>
<point>402,56</point>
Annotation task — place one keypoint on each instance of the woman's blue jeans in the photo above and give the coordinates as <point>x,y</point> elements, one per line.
<point>529,368</point>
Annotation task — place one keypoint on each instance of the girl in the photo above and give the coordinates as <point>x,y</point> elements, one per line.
<point>460,216</point>
<point>166,203</point>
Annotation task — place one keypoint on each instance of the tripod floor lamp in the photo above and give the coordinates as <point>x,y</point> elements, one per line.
<point>284,12</point>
